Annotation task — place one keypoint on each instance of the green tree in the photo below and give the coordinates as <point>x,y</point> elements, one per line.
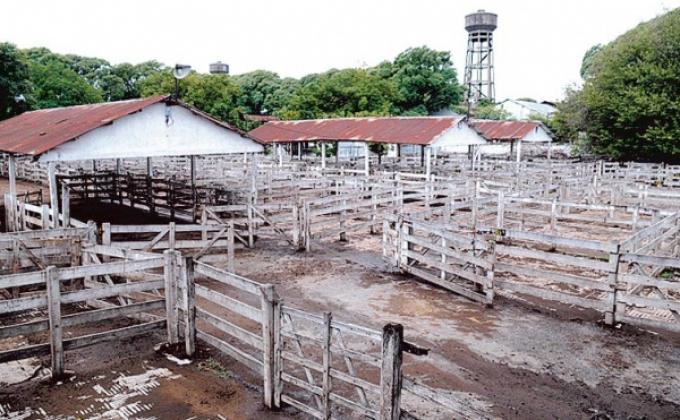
<point>14,80</point>
<point>632,95</point>
<point>342,93</point>
<point>57,85</point>
<point>426,80</point>
<point>487,110</point>
<point>588,59</point>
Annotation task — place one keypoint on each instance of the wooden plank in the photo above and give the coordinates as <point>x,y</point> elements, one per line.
<point>22,304</point>
<point>229,279</point>
<point>189,293</point>
<point>246,359</point>
<point>553,276</point>
<point>114,335</point>
<point>117,267</point>
<point>230,303</point>
<point>233,330</point>
<point>600,305</point>
<point>111,291</point>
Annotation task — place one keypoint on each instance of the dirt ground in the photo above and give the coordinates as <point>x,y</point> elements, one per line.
<point>518,361</point>
<point>514,361</point>
<point>131,380</point>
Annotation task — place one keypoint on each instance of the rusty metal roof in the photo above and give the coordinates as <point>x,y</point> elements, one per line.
<point>503,130</point>
<point>393,130</point>
<point>36,132</point>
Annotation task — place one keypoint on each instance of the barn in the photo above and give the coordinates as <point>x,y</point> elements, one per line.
<point>157,126</point>
<point>404,135</point>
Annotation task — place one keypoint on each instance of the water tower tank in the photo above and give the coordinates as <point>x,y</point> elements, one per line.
<point>219,68</point>
<point>481,21</point>
<point>479,63</point>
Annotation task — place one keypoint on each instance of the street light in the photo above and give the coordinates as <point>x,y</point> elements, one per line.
<point>180,72</point>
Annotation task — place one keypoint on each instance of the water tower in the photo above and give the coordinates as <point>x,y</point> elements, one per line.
<point>479,78</point>
<point>219,68</point>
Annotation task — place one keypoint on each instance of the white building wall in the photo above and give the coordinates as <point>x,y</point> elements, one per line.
<point>146,133</point>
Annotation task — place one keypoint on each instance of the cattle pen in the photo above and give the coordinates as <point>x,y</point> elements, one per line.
<point>460,287</point>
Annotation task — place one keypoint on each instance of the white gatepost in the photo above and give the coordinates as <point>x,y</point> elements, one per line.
<point>12,212</point>
<point>323,155</point>
<point>428,162</point>
<point>54,200</point>
<point>519,150</point>
<point>366,159</point>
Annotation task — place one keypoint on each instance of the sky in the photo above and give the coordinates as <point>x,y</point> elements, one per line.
<point>538,44</point>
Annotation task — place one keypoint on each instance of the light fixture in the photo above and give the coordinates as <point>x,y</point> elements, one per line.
<point>180,72</point>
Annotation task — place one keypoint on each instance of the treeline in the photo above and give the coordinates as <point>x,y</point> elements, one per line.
<point>419,81</point>
<point>629,105</point>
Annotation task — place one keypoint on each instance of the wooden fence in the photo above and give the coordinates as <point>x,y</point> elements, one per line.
<point>50,299</point>
<point>633,281</point>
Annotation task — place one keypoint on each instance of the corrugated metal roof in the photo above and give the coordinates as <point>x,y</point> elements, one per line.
<point>36,132</point>
<point>393,130</point>
<point>503,130</point>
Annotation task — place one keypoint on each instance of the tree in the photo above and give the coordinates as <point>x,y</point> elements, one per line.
<point>487,110</point>
<point>57,85</point>
<point>426,80</point>
<point>342,93</point>
<point>14,80</point>
<point>587,61</point>
<point>632,93</point>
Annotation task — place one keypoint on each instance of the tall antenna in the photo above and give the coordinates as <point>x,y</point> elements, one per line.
<point>479,63</point>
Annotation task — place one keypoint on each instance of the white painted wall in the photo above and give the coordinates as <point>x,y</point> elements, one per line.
<point>538,135</point>
<point>146,133</point>
<point>458,137</point>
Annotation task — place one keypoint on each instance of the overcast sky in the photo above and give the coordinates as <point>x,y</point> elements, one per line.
<point>538,44</point>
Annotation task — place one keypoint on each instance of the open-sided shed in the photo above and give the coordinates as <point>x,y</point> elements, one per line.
<point>428,133</point>
<point>149,127</point>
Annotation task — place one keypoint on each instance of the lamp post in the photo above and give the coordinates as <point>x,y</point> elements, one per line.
<point>180,72</point>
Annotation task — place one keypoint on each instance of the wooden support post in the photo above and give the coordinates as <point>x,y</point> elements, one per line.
<point>106,239</point>
<point>45,216</point>
<point>189,308</point>
<point>613,281</point>
<point>500,212</point>
<point>149,167</point>
<point>428,163</point>
<point>337,152</point>
<point>172,234</point>
<point>390,372</point>
<point>326,385</point>
<point>230,248</point>
<point>171,278</point>
<point>54,314</point>
<point>279,148</point>
<point>553,215</point>
<point>192,161</point>
<point>65,206</point>
<point>54,193</point>
<point>367,160</point>
<point>12,209</point>
<point>323,155</point>
<point>519,152</point>
<point>269,302</point>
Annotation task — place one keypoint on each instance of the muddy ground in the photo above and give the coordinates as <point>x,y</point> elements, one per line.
<point>129,379</point>
<point>519,361</point>
<point>516,360</point>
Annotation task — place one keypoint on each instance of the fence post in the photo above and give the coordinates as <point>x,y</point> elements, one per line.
<point>171,278</point>
<point>230,248</point>
<point>106,239</point>
<point>65,206</point>
<point>613,280</point>
<point>269,302</point>
<point>54,314</point>
<point>189,306</point>
<point>390,372</point>
<point>45,216</point>
<point>326,361</point>
<point>91,233</point>
<point>172,230</point>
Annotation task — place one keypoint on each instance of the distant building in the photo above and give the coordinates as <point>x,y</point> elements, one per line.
<point>526,110</point>
<point>219,68</point>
